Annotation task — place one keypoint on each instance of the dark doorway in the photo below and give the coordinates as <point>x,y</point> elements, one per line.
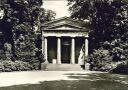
<point>66,50</point>
<point>52,49</point>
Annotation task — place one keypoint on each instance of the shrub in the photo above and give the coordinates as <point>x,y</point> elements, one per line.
<point>25,47</point>
<point>100,60</point>
<point>121,68</point>
<point>1,66</point>
<point>22,66</point>
<point>8,66</point>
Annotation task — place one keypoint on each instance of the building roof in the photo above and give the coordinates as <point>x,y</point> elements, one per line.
<point>65,23</point>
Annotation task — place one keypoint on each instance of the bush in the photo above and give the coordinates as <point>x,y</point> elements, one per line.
<point>22,66</point>
<point>100,60</point>
<point>25,47</point>
<point>1,67</point>
<point>121,68</point>
<point>8,66</point>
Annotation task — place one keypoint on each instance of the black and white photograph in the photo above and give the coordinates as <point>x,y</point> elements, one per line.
<point>63,44</point>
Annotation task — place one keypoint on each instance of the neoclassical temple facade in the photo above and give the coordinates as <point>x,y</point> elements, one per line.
<point>63,39</point>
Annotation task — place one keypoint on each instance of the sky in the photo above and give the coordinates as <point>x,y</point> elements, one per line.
<point>59,6</point>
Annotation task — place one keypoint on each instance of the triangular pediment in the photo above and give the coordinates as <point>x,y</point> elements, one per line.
<point>64,23</point>
<point>64,26</point>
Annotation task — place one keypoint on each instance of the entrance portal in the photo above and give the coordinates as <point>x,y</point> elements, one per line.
<point>52,48</point>
<point>66,50</point>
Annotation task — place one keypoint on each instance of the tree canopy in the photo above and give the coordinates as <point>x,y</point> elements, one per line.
<point>108,18</point>
<point>108,26</point>
<point>18,22</point>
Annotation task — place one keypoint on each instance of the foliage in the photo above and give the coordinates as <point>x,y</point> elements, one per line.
<point>20,17</point>
<point>47,15</point>
<point>20,13</point>
<point>108,18</point>
<point>17,23</point>
<point>2,55</point>
<point>100,60</point>
<point>108,24</point>
<point>25,48</point>
<point>118,49</point>
<point>5,52</point>
<point>121,68</point>
<point>8,66</point>
<point>8,51</point>
<point>110,57</point>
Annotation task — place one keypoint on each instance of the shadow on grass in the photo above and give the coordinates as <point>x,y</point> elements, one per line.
<point>85,82</point>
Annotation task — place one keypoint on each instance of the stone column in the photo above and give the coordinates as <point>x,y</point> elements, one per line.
<point>58,50</point>
<point>87,65</point>
<point>45,49</point>
<point>86,47</point>
<point>43,45</point>
<point>73,51</point>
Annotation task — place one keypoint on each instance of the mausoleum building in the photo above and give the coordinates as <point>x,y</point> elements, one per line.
<point>63,40</point>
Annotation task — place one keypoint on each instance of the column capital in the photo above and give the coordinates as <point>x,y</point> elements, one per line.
<point>86,36</point>
<point>72,36</point>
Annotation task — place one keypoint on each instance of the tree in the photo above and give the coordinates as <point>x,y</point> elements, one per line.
<point>20,16</point>
<point>18,21</point>
<point>108,18</point>
<point>47,15</point>
<point>108,30</point>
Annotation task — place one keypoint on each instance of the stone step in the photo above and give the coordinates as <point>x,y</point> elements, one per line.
<point>63,67</point>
